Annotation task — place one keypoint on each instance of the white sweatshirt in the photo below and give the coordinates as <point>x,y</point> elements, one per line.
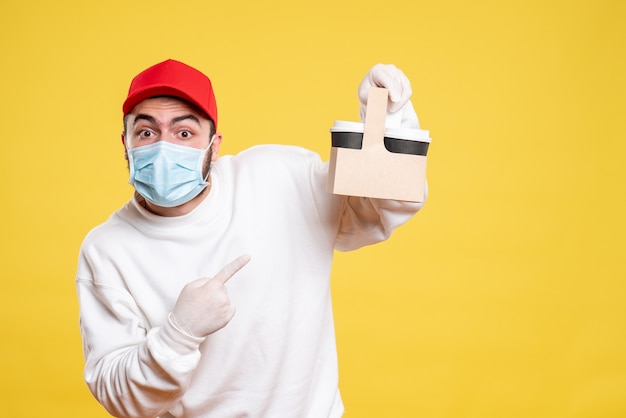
<point>277,357</point>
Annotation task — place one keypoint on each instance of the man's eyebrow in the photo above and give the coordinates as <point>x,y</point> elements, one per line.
<point>185,117</point>
<point>152,119</point>
<point>145,117</point>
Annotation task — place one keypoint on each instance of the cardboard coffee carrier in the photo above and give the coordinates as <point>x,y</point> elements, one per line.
<point>373,160</point>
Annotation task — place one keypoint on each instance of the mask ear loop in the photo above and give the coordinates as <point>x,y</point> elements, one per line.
<point>129,158</point>
<point>131,172</point>
<point>208,174</point>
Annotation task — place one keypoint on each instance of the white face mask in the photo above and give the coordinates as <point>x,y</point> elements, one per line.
<point>167,174</point>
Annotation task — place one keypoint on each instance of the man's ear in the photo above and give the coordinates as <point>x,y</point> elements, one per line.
<point>217,141</point>
<point>123,135</point>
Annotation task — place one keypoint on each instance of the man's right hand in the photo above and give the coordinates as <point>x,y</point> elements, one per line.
<point>203,305</point>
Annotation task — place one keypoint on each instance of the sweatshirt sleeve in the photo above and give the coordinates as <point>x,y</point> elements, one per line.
<point>363,221</point>
<point>131,369</point>
<point>366,221</point>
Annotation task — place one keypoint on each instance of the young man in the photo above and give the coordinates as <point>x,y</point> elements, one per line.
<point>155,282</point>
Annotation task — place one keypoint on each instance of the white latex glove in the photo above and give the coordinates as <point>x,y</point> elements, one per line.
<point>400,112</point>
<point>403,118</point>
<point>203,305</point>
<point>390,77</point>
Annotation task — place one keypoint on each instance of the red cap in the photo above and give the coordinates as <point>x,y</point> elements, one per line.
<point>173,78</point>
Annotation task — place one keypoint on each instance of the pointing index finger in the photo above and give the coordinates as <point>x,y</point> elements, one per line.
<point>231,268</point>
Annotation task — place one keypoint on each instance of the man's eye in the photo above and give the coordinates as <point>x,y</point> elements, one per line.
<point>146,134</point>
<point>185,134</point>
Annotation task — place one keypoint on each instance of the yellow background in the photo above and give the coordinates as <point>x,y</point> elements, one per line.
<point>504,297</point>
